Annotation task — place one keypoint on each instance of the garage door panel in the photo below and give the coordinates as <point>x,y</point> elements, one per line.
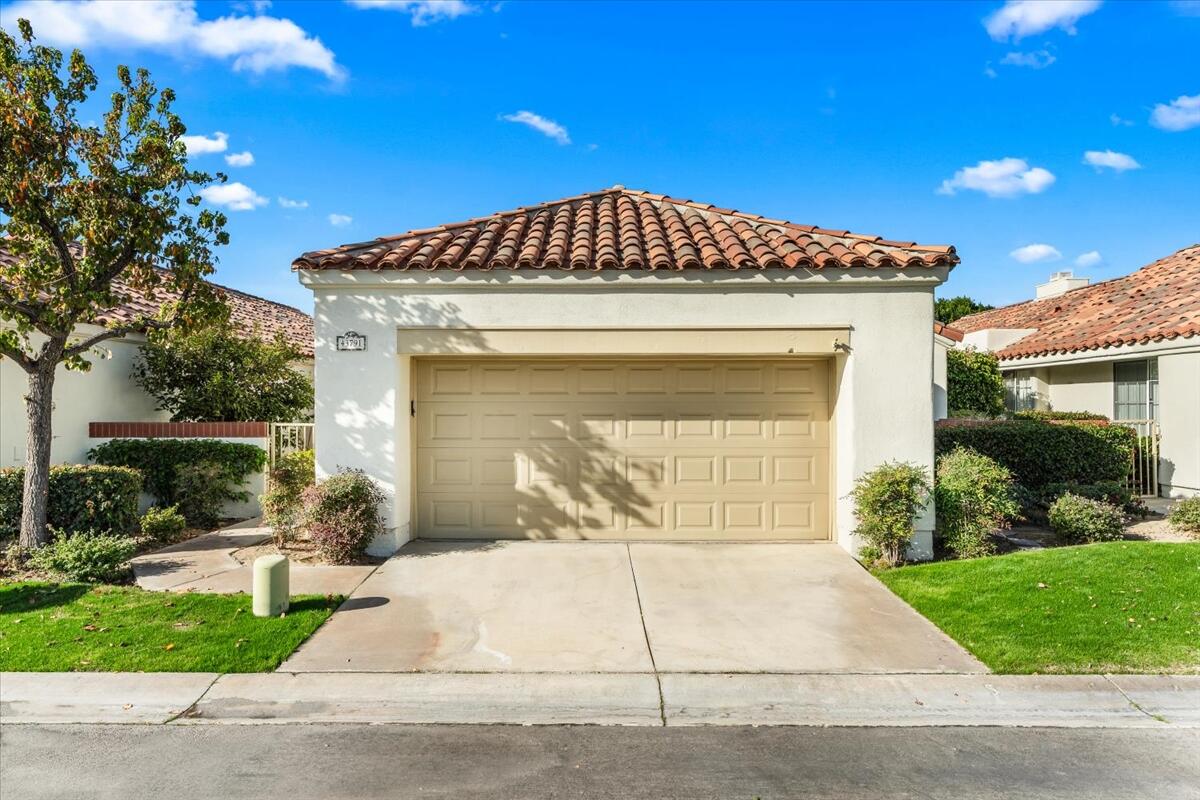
<point>641,450</point>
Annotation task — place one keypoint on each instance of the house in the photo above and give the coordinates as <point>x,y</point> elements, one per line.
<point>1127,348</point>
<point>624,365</point>
<point>108,393</point>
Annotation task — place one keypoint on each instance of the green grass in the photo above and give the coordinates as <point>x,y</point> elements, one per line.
<point>1116,607</point>
<point>49,627</point>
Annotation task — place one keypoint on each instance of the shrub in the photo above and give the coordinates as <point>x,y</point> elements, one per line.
<point>341,515</point>
<point>293,473</point>
<point>1066,416</point>
<point>887,501</point>
<point>203,490</point>
<point>217,374</point>
<point>160,459</point>
<point>85,556</point>
<point>163,524</point>
<point>1114,492</point>
<point>1040,453</point>
<point>974,497</point>
<point>1185,516</point>
<point>81,498</point>
<point>1077,520</point>
<point>973,383</point>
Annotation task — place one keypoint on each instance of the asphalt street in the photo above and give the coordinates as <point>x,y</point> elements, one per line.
<point>325,762</point>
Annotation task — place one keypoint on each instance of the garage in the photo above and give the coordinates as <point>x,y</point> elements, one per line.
<point>631,449</point>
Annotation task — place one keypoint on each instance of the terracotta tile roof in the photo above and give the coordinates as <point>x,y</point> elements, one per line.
<point>622,228</point>
<point>1160,301</point>
<point>950,332</point>
<point>249,313</point>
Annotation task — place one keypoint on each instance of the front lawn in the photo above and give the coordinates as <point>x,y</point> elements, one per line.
<point>48,627</point>
<point>1115,607</point>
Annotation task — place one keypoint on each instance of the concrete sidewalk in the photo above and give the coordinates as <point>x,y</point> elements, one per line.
<point>642,699</point>
<point>206,564</point>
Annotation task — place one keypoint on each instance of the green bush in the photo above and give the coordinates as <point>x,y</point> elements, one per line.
<point>86,556</point>
<point>218,374</point>
<point>1077,520</point>
<point>973,383</point>
<point>81,498</point>
<point>293,473</point>
<point>1185,516</point>
<point>160,459</point>
<point>341,515</point>
<point>887,501</point>
<point>163,524</point>
<point>203,489</point>
<point>974,497</point>
<point>1040,453</point>
<point>1114,492</point>
<point>1059,415</point>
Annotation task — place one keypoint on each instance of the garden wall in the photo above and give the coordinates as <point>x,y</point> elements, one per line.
<point>255,433</point>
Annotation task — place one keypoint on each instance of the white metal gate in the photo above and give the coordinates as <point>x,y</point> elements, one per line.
<point>1143,473</point>
<point>287,437</point>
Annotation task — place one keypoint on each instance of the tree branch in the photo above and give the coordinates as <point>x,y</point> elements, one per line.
<point>60,243</point>
<point>23,361</point>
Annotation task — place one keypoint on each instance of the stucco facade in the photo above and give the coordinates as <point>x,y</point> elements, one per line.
<point>877,340</point>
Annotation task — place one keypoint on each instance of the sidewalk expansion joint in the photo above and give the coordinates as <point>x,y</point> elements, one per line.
<point>1134,704</point>
<point>662,703</point>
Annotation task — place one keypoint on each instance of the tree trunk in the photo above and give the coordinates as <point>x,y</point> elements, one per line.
<point>39,408</point>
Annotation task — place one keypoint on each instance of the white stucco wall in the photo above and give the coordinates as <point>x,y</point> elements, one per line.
<point>1081,387</point>
<point>1179,418</point>
<point>940,398</point>
<point>884,392</point>
<point>105,393</point>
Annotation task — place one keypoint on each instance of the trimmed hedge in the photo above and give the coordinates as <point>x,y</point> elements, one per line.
<point>973,383</point>
<point>1040,453</point>
<point>160,460</point>
<point>82,498</point>
<point>1059,415</point>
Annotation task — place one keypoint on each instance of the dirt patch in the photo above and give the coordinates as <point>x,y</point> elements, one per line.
<point>300,551</point>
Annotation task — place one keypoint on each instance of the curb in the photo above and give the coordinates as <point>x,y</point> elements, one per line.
<point>688,699</point>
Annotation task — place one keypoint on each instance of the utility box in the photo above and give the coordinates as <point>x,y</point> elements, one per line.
<point>270,586</point>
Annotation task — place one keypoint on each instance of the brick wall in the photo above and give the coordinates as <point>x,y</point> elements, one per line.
<point>178,430</point>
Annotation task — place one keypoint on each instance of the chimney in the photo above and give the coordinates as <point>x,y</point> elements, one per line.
<point>1059,283</point>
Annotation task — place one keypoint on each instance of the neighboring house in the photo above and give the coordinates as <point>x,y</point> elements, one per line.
<point>624,365</point>
<point>1127,348</point>
<point>108,393</point>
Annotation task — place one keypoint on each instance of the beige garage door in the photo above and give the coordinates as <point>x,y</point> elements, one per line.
<point>686,450</point>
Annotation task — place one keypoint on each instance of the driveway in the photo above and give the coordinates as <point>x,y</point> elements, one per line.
<point>626,608</point>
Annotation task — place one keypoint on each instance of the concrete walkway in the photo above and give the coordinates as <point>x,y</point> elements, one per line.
<point>925,700</point>
<point>603,607</point>
<point>206,564</point>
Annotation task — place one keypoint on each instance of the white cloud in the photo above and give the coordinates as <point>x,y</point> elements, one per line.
<point>1020,18</point>
<point>1180,114</point>
<point>541,124</point>
<point>234,196</point>
<point>1006,177</point>
<point>199,145</point>
<point>1118,121</point>
<point>252,43</point>
<point>1107,158</point>
<point>1035,252</point>
<point>1089,259</point>
<point>989,70</point>
<point>286,203</point>
<point>245,159</point>
<point>1037,59</point>
<point>423,12</point>
<point>340,220</point>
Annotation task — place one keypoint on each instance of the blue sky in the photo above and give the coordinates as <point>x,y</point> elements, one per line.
<point>875,117</point>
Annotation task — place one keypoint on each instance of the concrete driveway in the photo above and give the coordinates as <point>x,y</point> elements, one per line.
<point>626,608</point>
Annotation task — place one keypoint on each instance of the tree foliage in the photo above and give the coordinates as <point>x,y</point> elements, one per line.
<point>949,309</point>
<point>973,383</point>
<point>89,213</point>
<point>217,374</point>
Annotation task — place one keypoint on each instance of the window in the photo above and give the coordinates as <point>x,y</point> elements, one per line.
<point>1135,389</point>
<point>1019,393</point>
